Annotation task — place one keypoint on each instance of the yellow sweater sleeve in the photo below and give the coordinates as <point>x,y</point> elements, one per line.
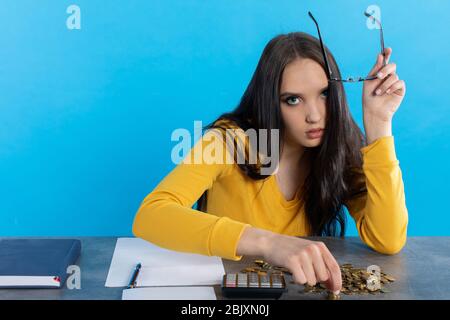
<point>166,218</point>
<point>380,214</point>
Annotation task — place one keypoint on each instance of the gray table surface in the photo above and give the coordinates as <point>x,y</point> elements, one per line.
<point>421,270</point>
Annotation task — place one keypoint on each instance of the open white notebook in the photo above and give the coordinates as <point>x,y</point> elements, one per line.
<point>161,267</point>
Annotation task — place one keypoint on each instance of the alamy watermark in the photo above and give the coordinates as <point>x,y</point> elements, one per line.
<point>74,279</point>
<point>373,282</point>
<point>252,147</point>
<point>375,11</point>
<point>74,20</point>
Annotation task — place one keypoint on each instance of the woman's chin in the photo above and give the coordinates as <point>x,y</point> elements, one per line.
<point>311,143</point>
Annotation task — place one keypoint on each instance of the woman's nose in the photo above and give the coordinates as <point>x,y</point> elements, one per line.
<point>313,114</point>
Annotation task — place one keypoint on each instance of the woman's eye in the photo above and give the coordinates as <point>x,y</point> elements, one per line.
<point>292,101</point>
<point>325,93</point>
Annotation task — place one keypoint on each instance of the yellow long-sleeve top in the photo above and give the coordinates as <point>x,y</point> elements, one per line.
<point>235,201</point>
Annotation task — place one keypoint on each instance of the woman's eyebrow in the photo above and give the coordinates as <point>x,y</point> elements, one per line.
<point>300,94</point>
<point>290,94</point>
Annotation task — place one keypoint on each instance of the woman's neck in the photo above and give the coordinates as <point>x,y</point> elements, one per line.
<point>293,157</point>
<point>292,152</point>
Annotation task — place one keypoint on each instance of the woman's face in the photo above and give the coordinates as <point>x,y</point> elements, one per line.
<point>303,94</point>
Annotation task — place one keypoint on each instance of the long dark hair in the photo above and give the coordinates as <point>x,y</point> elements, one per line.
<point>335,173</point>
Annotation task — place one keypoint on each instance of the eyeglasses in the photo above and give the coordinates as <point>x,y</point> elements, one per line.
<point>327,65</point>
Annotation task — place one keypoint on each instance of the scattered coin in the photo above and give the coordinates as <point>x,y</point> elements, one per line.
<point>332,296</point>
<point>354,280</point>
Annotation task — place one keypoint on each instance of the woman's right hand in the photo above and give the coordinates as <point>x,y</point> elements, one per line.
<point>310,262</point>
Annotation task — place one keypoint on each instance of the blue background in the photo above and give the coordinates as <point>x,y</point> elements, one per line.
<point>86,115</point>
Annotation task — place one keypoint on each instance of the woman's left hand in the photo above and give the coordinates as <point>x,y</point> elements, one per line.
<point>381,98</point>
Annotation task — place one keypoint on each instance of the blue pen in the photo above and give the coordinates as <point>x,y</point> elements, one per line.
<point>134,276</point>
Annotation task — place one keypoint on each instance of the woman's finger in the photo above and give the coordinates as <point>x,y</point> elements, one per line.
<point>334,282</point>
<point>386,84</point>
<point>377,66</point>
<point>309,271</point>
<point>386,70</point>
<point>398,88</point>
<point>379,63</point>
<point>320,269</point>
<point>388,54</point>
<point>298,274</point>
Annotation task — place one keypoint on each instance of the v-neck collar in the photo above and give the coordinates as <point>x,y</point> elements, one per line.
<point>284,202</point>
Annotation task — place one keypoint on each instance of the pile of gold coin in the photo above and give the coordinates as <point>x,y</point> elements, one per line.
<point>354,280</point>
<point>263,267</point>
<point>360,281</point>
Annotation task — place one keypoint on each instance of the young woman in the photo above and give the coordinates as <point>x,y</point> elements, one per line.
<point>325,164</point>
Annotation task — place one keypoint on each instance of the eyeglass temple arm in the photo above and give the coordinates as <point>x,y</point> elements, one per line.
<point>369,15</point>
<point>321,45</point>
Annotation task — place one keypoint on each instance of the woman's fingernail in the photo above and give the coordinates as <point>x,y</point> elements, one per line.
<point>380,75</point>
<point>388,91</point>
<point>336,292</point>
<point>378,92</point>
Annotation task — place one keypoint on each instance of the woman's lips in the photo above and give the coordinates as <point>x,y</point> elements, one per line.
<point>314,134</point>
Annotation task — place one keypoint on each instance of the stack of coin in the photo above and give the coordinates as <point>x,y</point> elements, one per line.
<point>357,281</point>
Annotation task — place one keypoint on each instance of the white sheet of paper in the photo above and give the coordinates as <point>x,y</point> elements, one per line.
<point>169,293</point>
<point>161,267</point>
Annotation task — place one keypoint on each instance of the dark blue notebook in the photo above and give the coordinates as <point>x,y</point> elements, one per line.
<point>36,263</point>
